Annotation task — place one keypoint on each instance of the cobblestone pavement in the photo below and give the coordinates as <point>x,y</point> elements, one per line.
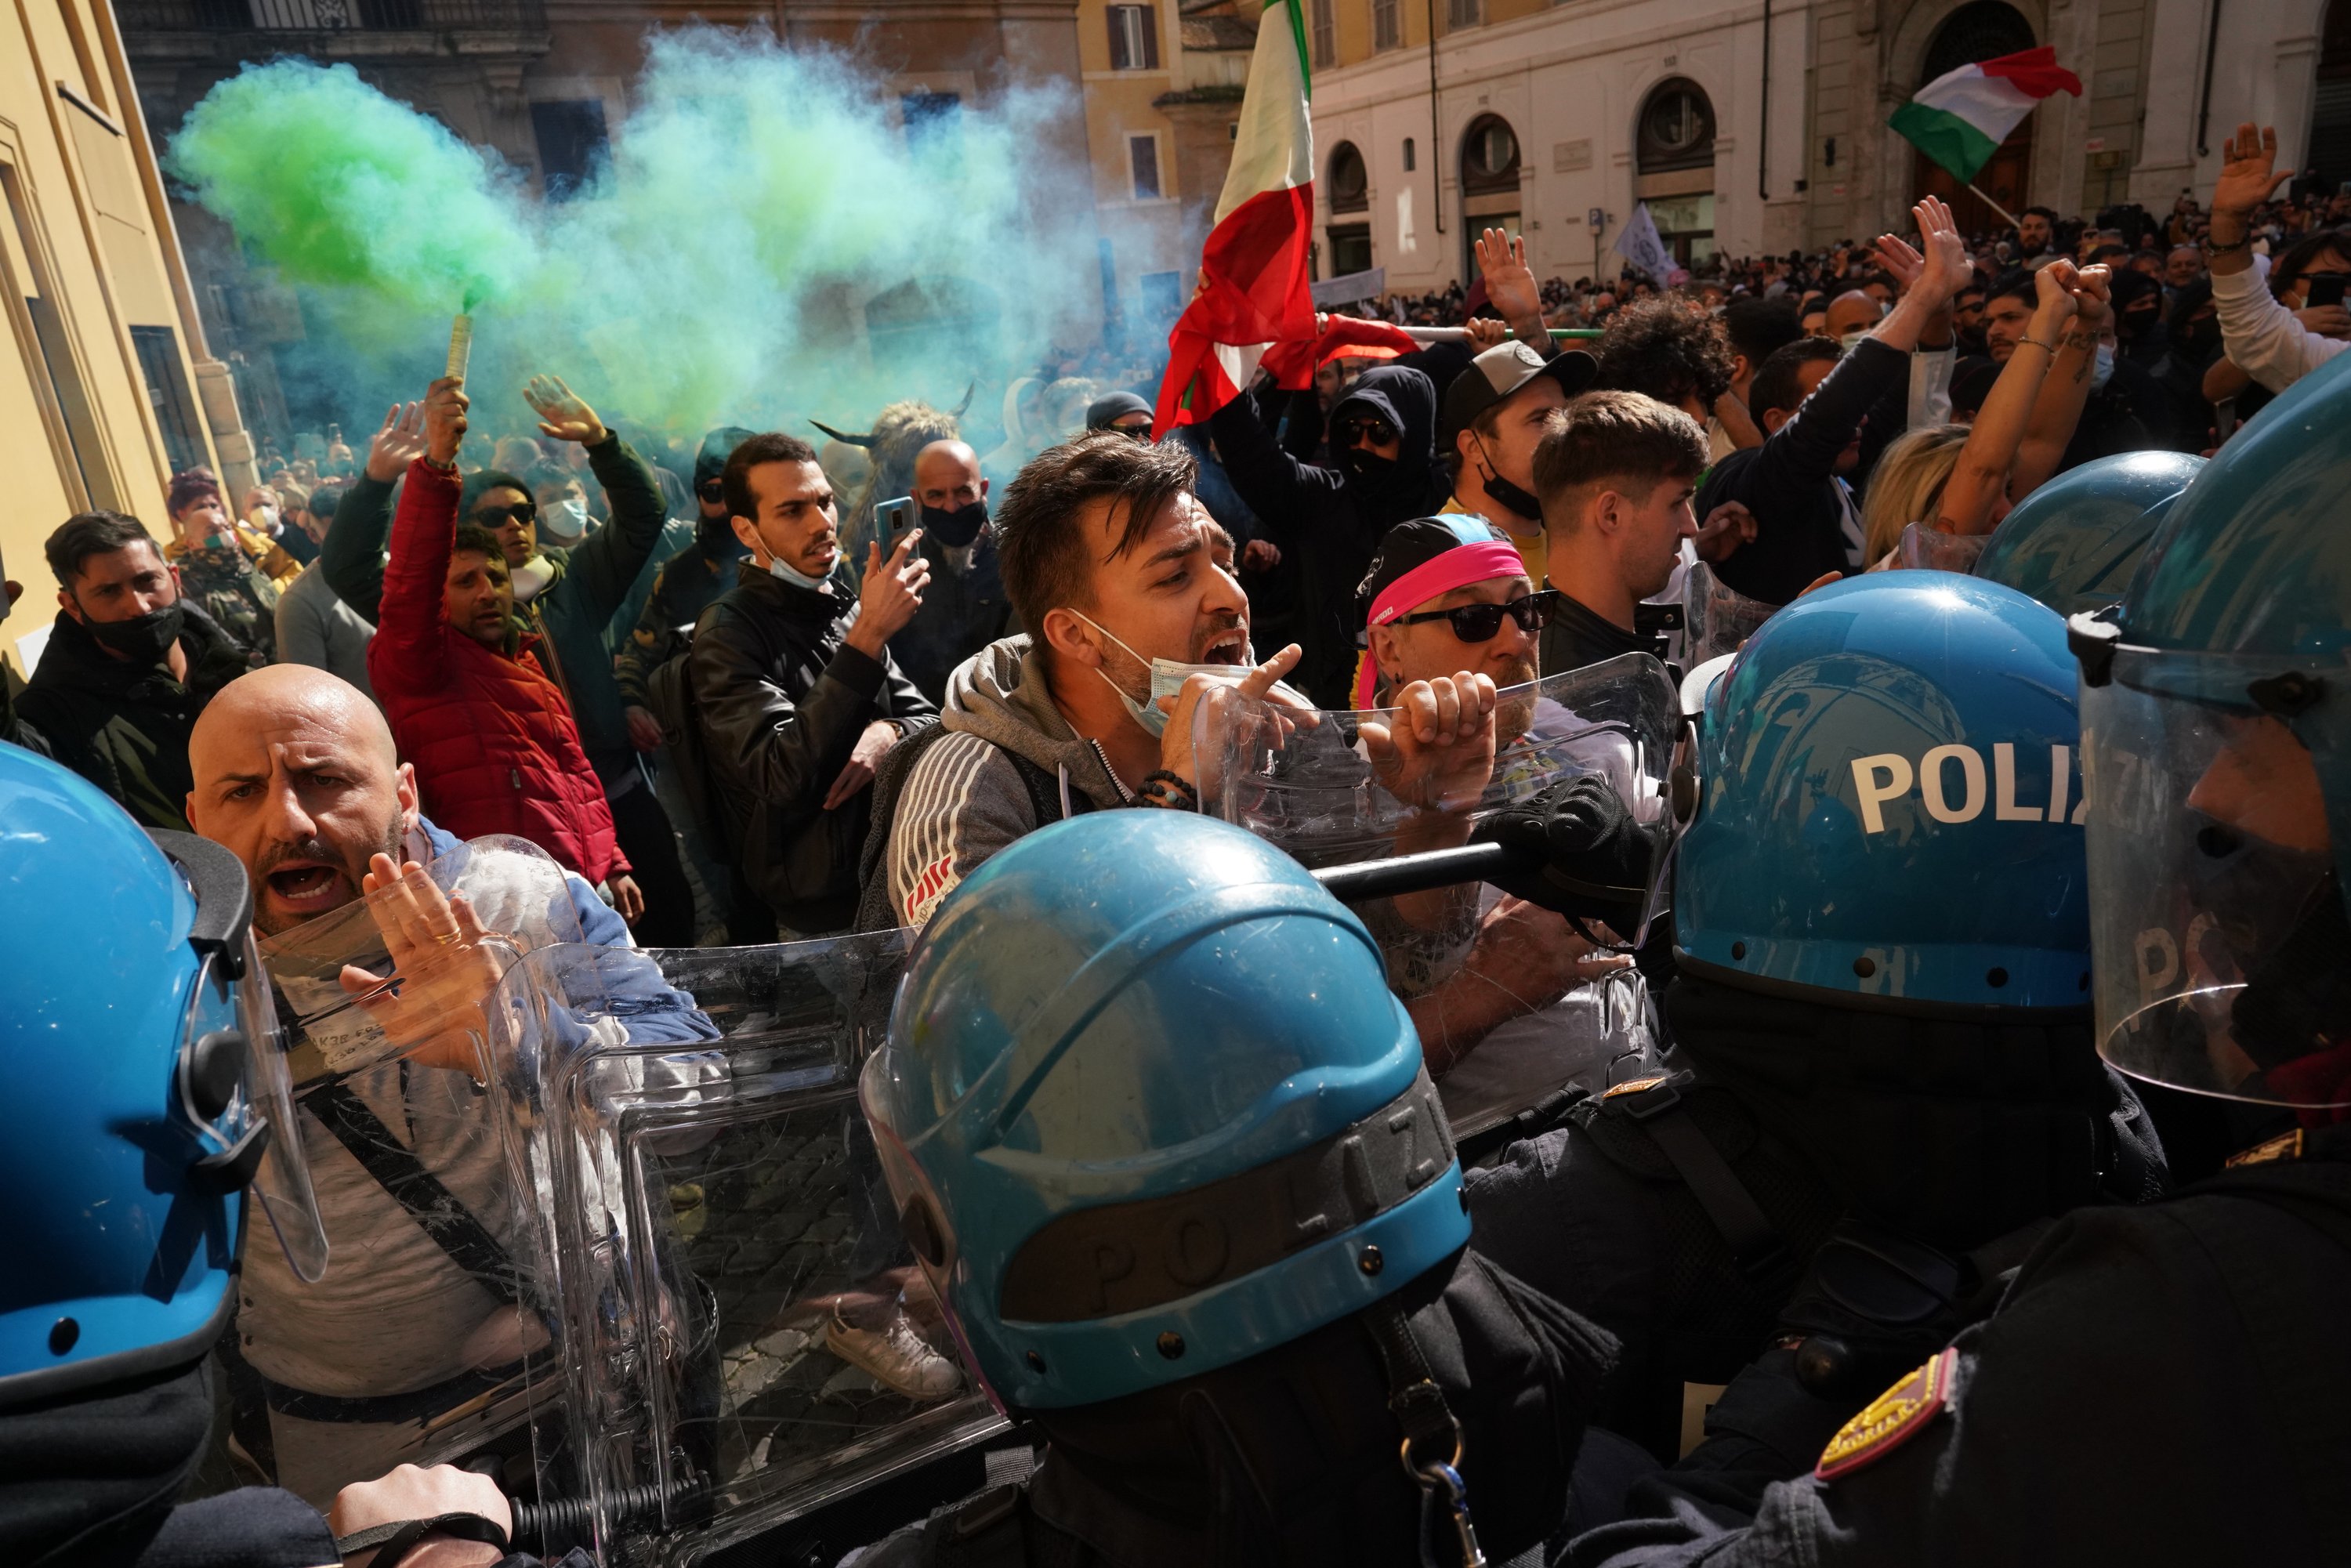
<point>766,1221</point>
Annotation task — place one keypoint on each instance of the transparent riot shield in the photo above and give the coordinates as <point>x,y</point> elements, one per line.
<point>413,1344</point>
<point>1716,617</point>
<point>1925,546</point>
<point>1512,1001</point>
<point>742,1335</point>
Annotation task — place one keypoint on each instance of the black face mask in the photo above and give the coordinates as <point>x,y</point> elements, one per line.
<point>145,638</point>
<point>1504,493</point>
<point>1362,463</point>
<point>956,529</point>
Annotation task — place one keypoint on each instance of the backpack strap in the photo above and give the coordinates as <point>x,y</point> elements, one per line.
<point>438,1212</point>
<point>1656,1103</point>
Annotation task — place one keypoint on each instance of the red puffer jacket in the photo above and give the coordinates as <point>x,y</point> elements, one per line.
<point>493,741</point>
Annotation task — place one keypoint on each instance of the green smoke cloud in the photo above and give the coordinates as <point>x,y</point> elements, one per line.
<point>768,240</point>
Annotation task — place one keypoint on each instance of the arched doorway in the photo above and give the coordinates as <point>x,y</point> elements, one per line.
<point>1349,185</point>
<point>1489,184</point>
<point>2330,110</point>
<point>1983,30</point>
<point>1673,159</point>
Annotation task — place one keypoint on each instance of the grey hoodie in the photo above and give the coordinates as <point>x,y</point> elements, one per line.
<point>965,797</point>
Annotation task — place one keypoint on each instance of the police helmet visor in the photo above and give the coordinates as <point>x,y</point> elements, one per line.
<point>1925,547</point>
<point>234,1090</point>
<point>2218,930</point>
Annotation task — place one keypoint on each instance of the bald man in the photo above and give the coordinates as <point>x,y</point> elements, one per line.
<point>295,772</point>
<point>294,769</point>
<point>965,609</point>
<point>1852,313</point>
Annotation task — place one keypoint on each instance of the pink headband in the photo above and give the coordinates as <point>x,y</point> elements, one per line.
<point>1457,568</point>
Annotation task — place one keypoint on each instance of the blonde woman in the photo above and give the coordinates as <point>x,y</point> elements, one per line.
<point>1965,482</point>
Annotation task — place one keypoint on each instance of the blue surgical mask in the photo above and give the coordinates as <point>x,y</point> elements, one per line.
<point>2106,368</point>
<point>566,519</point>
<point>1167,678</point>
<point>797,579</point>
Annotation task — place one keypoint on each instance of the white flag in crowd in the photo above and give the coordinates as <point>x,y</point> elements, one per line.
<point>1639,244</point>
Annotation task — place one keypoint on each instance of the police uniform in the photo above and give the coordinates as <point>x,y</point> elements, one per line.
<point>1679,1213</point>
<point>2160,1386</point>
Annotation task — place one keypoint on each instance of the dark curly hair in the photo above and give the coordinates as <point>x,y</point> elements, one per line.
<point>1667,350</point>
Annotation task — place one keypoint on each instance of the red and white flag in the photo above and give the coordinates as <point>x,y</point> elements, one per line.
<point>1253,289</point>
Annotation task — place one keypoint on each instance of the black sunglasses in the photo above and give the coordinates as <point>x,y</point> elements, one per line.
<point>711,489</point>
<point>1478,623</point>
<point>1378,432</point>
<point>497,517</point>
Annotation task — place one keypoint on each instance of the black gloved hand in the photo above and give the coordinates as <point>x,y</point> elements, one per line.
<point>1875,1305</point>
<point>1578,851</point>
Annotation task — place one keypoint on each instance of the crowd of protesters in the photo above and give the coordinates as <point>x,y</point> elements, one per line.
<point>682,669</point>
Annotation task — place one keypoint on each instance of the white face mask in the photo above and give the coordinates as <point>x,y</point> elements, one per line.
<point>265,518</point>
<point>569,519</point>
<point>2106,367</point>
<point>1167,678</point>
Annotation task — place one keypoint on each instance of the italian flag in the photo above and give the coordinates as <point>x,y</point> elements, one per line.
<point>1253,270</point>
<point>1960,119</point>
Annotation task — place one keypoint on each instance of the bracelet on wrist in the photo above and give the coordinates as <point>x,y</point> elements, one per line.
<point>2213,247</point>
<point>1162,788</point>
<point>2046,347</point>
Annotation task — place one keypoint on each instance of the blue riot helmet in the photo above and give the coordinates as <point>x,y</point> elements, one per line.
<point>142,1052</point>
<point>2216,712</point>
<point>2073,543</point>
<point>1887,809</point>
<point>1148,1108</point>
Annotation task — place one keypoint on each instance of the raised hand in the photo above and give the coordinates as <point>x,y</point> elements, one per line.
<point>2057,289</point>
<point>1215,710</point>
<point>444,419</point>
<point>400,443</point>
<point>446,965</point>
<point>1898,260</point>
<point>2091,290</point>
<point>1485,333</point>
<point>1439,752</point>
<point>563,414</point>
<point>1945,268</point>
<point>890,593</point>
<point>2249,172</point>
<point>1509,281</point>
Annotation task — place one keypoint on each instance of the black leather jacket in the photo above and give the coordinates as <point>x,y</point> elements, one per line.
<point>781,699</point>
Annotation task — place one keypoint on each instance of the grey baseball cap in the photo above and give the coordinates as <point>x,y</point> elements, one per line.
<point>1502,371</point>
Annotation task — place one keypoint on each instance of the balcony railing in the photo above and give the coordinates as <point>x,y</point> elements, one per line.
<point>327,15</point>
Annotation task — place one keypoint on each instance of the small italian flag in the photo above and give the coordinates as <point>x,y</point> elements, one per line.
<point>1960,119</point>
<point>1253,290</point>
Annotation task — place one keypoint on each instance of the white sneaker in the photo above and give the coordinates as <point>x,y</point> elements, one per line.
<point>895,1358</point>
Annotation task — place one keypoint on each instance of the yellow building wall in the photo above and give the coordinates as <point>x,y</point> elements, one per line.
<point>80,266</point>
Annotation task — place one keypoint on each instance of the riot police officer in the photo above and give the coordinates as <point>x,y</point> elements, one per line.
<point>1880,1009</point>
<point>2075,541</point>
<point>1160,1137</point>
<point>2166,1385</point>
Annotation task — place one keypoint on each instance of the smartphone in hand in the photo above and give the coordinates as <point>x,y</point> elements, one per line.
<point>891,521</point>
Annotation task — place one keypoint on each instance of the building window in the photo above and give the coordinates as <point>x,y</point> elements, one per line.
<point>572,142</point>
<point>1409,159</point>
<point>1324,35</point>
<point>1387,25</point>
<point>45,346</point>
<point>1676,129</point>
<point>1462,13</point>
<point>930,117</point>
<point>1351,184</point>
<point>1163,296</point>
<point>1490,157</point>
<point>168,391</point>
<point>1143,153</point>
<point>1351,248</point>
<point>1134,38</point>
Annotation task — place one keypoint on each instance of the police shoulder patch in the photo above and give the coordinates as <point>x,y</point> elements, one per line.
<point>1889,1420</point>
<point>2287,1146</point>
